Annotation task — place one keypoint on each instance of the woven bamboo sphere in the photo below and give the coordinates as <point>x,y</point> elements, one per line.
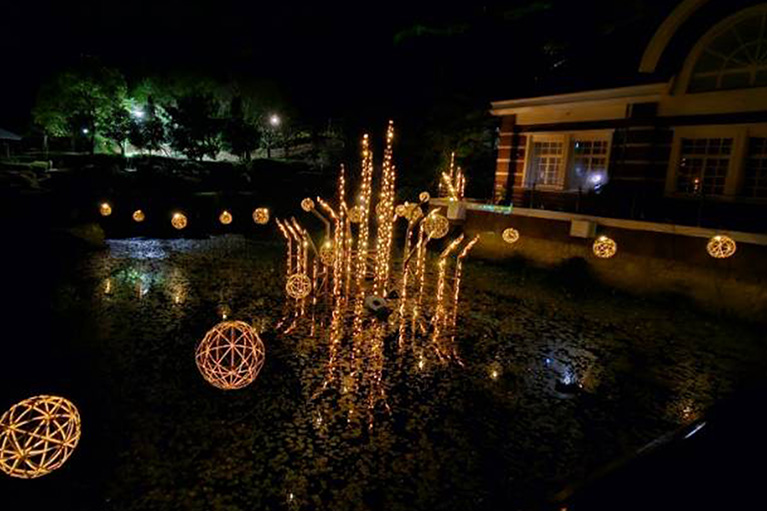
<point>231,355</point>
<point>327,254</point>
<point>105,209</point>
<point>510,235</point>
<point>307,204</point>
<point>261,216</point>
<point>604,247</point>
<point>37,436</point>
<point>424,197</point>
<point>225,217</point>
<point>355,214</point>
<point>178,221</point>
<point>298,286</point>
<point>436,226</point>
<point>139,216</point>
<point>721,247</point>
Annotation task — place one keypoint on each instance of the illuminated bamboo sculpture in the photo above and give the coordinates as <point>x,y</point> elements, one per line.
<point>37,436</point>
<point>261,216</point>
<point>721,247</point>
<point>604,247</point>
<point>225,217</point>
<point>344,287</point>
<point>453,183</point>
<point>138,216</point>
<point>105,209</point>
<point>510,235</point>
<point>231,355</point>
<point>178,221</point>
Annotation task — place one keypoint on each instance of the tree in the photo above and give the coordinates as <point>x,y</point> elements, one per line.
<point>116,126</point>
<point>147,130</point>
<point>80,101</point>
<point>195,129</point>
<point>240,136</point>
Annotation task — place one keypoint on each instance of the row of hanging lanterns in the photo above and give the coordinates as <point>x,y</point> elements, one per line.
<point>179,220</point>
<point>718,247</point>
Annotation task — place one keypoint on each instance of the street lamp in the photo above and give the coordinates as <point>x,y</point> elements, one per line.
<point>138,113</point>
<point>274,122</point>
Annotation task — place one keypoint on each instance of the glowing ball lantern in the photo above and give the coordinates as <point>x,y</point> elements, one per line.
<point>327,254</point>
<point>307,204</point>
<point>37,436</point>
<point>436,226</point>
<point>424,197</point>
<point>298,286</point>
<point>604,247</point>
<point>225,217</point>
<point>355,214</point>
<point>231,355</point>
<point>139,216</point>
<point>721,247</point>
<point>261,216</point>
<point>510,235</point>
<point>105,209</point>
<point>178,221</point>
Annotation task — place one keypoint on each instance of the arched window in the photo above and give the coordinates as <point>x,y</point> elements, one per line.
<point>735,55</point>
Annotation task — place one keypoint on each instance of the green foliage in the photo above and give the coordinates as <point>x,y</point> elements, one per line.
<point>148,132</point>
<point>89,96</point>
<point>195,128</point>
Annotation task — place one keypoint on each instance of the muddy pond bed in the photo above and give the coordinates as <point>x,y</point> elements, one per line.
<point>115,331</point>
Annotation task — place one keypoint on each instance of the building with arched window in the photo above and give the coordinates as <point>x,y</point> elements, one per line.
<point>687,144</point>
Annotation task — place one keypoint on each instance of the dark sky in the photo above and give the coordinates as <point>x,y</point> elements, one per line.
<point>333,58</point>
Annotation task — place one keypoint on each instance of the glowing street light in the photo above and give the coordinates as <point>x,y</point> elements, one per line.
<point>85,131</point>
<point>138,113</point>
<point>275,120</point>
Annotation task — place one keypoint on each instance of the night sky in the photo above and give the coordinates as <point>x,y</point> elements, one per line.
<point>334,59</point>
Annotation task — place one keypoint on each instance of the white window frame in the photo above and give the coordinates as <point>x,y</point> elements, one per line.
<point>739,133</point>
<point>566,169</point>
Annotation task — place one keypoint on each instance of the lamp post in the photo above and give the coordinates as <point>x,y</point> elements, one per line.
<point>274,123</point>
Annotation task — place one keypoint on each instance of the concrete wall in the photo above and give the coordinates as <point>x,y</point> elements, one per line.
<point>646,262</point>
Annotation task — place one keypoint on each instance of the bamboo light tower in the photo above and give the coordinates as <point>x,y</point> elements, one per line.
<point>38,435</point>
<point>346,281</point>
<point>231,355</point>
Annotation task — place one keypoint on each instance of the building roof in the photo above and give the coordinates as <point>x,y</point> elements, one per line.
<point>7,135</point>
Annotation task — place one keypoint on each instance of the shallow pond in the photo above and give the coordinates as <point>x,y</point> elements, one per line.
<point>491,431</point>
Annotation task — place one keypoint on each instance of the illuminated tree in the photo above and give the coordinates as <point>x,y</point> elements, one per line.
<point>80,102</point>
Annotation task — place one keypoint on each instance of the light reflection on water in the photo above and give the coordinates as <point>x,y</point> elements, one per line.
<point>500,410</point>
